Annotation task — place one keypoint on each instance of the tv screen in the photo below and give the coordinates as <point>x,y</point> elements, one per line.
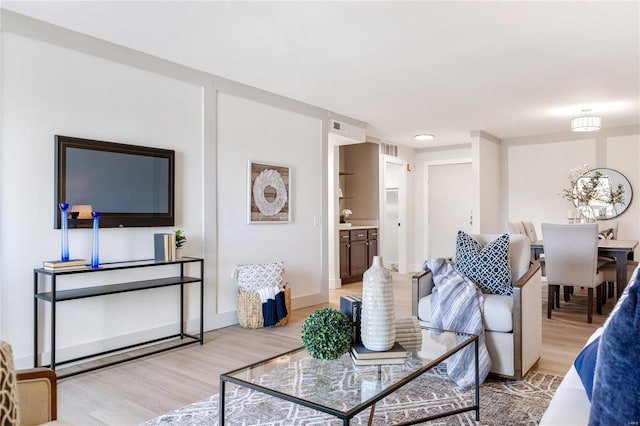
<point>129,185</point>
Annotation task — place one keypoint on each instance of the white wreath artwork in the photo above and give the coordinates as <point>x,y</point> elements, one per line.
<point>271,178</point>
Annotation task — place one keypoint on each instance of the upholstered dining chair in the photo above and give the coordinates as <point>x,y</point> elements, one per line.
<point>528,229</point>
<point>571,258</point>
<point>516,227</point>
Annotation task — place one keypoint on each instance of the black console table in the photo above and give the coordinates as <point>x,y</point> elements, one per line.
<point>55,296</point>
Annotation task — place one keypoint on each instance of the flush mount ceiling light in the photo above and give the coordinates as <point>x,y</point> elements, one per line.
<point>586,124</point>
<point>424,137</point>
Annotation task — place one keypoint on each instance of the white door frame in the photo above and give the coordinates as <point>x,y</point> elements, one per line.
<point>402,210</point>
<point>428,164</point>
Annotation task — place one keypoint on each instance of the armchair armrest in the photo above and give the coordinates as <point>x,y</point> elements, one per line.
<point>527,319</point>
<point>421,286</point>
<point>37,395</point>
<point>526,278</point>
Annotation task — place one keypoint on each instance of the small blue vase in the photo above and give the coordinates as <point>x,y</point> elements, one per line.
<point>95,258</point>
<point>64,226</point>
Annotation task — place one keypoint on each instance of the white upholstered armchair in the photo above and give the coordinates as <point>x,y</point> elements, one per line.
<point>513,324</point>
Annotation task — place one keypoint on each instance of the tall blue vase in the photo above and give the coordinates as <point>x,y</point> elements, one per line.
<point>64,226</point>
<point>95,258</point>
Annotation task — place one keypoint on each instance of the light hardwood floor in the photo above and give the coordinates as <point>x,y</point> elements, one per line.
<point>137,391</point>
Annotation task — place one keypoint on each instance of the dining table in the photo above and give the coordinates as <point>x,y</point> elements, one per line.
<point>621,250</point>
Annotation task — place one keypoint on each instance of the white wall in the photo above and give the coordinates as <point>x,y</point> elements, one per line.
<point>421,159</point>
<point>59,82</point>
<point>533,172</point>
<point>280,137</point>
<point>486,176</point>
<point>538,170</point>
<point>50,90</point>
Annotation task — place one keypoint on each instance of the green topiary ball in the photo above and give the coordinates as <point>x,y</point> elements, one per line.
<point>327,333</point>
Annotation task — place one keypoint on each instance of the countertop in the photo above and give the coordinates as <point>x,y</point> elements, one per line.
<point>347,227</point>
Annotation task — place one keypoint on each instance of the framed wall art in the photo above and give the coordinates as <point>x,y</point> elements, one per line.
<point>268,193</point>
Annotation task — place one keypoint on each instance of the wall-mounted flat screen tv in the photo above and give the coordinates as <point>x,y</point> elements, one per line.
<point>130,185</point>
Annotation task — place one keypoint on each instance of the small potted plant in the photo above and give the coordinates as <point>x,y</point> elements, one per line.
<point>326,334</point>
<point>180,240</point>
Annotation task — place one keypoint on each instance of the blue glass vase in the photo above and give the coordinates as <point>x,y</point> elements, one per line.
<point>95,258</point>
<point>64,226</point>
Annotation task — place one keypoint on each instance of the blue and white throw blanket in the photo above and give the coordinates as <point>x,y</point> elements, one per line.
<point>457,304</point>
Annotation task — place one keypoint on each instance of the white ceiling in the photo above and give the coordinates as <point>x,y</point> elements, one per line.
<point>511,69</point>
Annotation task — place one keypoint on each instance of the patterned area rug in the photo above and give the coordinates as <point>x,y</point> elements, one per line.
<point>502,402</point>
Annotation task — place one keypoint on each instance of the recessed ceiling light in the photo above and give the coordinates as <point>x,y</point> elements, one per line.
<point>424,137</point>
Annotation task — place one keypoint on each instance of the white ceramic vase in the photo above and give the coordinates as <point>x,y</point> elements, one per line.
<point>378,327</point>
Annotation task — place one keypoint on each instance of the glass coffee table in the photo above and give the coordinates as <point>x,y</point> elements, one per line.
<point>342,389</point>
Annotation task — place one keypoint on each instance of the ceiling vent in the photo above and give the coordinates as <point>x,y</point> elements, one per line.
<point>339,127</point>
<point>388,149</point>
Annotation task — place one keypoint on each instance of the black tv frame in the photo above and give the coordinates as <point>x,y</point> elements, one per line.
<point>112,219</point>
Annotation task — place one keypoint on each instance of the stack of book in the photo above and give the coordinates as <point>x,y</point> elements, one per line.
<point>64,265</point>
<point>363,356</point>
<point>351,306</point>
<point>409,333</point>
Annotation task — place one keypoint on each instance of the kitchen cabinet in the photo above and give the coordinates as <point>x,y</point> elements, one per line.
<point>357,248</point>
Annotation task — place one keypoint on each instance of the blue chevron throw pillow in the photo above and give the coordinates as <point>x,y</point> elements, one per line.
<point>488,267</point>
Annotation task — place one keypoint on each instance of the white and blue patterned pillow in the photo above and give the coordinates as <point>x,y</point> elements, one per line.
<point>256,276</point>
<point>488,267</point>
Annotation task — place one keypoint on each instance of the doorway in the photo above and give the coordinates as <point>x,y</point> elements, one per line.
<point>393,223</point>
<point>448,205</point>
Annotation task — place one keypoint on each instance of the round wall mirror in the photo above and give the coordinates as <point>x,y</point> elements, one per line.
<point>610,190</point>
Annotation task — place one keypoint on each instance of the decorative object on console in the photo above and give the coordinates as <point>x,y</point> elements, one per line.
<point>80,211</point>
<point>67,265</point>
<point>164,247</point>
<point>95,257</point>
<point>64,232</point>
<point>327,334</point>
<point>74,219</point>
<point>268,195</point>
<point>180,240</point>
<point>378,329</point>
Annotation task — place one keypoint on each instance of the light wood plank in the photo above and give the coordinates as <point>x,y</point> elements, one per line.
<point>134,392</point>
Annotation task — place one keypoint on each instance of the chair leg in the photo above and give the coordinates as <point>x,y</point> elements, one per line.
<point>590,305</point>
<point>599,299</point>
<point>610,284</point>
<point>556,289</point>
<point>550,299</point>
<point>567,292</point>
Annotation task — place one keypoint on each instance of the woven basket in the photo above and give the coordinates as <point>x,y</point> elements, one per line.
<point>250,309</point>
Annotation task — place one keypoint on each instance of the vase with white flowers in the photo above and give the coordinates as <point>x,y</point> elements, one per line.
<point>588,188</point>
<point>345,215</point>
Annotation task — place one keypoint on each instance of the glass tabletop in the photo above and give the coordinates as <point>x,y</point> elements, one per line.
<point>339,384</point>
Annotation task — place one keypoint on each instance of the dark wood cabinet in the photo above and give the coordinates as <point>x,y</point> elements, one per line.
<point>345,259</point>
<point>372,245</point>
<point>357,248</point>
